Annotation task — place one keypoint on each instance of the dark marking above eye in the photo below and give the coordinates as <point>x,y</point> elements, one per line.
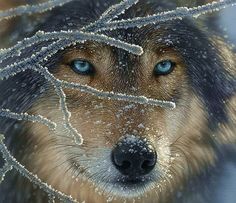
<point>82,67</point>
<point>164,67</point>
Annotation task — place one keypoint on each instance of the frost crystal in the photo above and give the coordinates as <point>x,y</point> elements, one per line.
<point>4,170</point>
<point>26,117</point>
<point>60,40</point>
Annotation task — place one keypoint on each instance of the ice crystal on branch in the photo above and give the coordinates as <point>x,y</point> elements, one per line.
<point>11,163</point>
<point>60,40</point>
<point>26,117</point>
<point>178,13</point>
<point>6,168</point>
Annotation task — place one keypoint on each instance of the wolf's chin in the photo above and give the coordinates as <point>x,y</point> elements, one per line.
<point>125,188</point>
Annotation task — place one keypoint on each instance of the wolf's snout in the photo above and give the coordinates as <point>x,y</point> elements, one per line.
<point>134,156</point>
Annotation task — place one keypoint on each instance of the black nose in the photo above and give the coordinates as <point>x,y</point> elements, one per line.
<point>134,156</point>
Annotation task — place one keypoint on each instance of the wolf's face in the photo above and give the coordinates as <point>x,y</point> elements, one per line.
<point>131,150</point>
<point>127,146</point>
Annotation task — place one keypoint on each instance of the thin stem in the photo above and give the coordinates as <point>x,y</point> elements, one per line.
<point>26,117</point>
<point>31,177</point>
<point>178,13</point>
<point>105,95</point>
<point>27,63</point>
<point>4,170</point>
<point>111,13</point>
<point>63,106</point>
<point>77,36</point>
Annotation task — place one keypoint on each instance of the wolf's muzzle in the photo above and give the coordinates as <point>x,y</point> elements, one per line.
<point>134,157</point>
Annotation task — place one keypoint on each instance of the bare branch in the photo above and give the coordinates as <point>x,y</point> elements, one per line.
<point>178,13</point>
<point>26,117</point>
<point>33,178</point>
<point>3,171</point>
<point>66,114</point>
<point>67,35</point>
<point>27,63</point>
<point>111,13</point>
<point>103,94</point>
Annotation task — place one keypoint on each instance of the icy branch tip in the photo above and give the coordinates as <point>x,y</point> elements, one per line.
<point>1,138</point>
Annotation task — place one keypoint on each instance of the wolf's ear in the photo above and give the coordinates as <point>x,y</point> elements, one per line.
<point>11,30</point>
<point>7,4</point>
<point>210,20</point>
<point>6,25</point>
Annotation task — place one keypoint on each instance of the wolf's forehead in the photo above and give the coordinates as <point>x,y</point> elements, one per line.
<point>80,13</point>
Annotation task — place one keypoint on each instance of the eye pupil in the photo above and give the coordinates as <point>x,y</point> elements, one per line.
<point>164,67</point>
<point>82,67</point>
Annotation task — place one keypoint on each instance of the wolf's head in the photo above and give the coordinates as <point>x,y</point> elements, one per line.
<point>130,150</point>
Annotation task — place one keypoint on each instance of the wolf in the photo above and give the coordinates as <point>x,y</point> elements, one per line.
<point>131,152</point>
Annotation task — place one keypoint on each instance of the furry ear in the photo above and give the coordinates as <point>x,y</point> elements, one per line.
<point>6,4</point>
<point>209,20</point>
<point>12,30</point>
<point>6,25</point>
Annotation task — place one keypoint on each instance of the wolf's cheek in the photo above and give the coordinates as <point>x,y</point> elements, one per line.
<point>192,145</point>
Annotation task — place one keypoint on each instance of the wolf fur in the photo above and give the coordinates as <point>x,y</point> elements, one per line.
<point>195,142</point>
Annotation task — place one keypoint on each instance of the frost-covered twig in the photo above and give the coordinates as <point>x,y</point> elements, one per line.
<point>111,13</point>
<point>3,171</point>
<point>32,9</point>
<point>63,106</point>
<point>67,35</point>
<point>66,116</point>
<point>11,161</point>
<point>118,96</point>
<point>103,94</point>
<point>105,24</point>
<point>26,117</point>
<point>51,199</point>
<point>178,13</point>
<point>27,63</point>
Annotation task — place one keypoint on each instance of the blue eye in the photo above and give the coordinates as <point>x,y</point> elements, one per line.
<point>164,67</point>
<point>82,67</point>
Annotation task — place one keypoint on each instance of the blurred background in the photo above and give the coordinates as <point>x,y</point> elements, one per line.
<point>227,22</point>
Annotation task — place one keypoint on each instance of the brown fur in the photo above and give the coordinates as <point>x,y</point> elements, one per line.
<point>92,117</point>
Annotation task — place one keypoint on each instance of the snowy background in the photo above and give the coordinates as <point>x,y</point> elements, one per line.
<point>227,185</point>
<point>228,23</point>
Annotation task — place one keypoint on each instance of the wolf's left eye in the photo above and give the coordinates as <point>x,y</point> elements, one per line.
<point>82,67</point>
<point>164,67</point>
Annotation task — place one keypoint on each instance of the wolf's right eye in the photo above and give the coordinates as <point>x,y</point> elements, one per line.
<point>164,67</point>
<point>82,67</point>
